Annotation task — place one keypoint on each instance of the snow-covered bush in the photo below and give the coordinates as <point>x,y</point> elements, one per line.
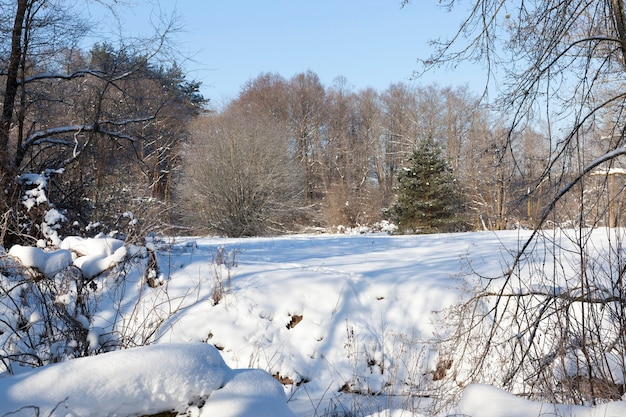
<point>39,220</point>
<point>384,226</point>
<point>72,302</point>
<point>551,327</point>
<point>222,263</point>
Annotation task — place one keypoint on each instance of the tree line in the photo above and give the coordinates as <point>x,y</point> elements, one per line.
<point>342,153</point>
<point>119,128</point>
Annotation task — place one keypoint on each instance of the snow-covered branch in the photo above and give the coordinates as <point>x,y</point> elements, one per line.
<point>572,295</point>
<point>586,170</point>
<point>40,135</point>
<point>76,74</point>
<point>128,121</point>
<point>59,76</point>
<point>45,136</point>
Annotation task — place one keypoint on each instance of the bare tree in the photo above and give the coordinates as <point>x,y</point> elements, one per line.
<point>400,134</point>
<point>308,113</point>
<point>265,95</point>
<point>240,177</point>
<point>550,326</point>
<point>61,106</point>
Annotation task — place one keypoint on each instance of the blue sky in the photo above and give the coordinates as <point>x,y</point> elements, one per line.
<point>372,43</point>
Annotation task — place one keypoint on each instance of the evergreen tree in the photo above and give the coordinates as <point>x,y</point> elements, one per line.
<point>428,200</point>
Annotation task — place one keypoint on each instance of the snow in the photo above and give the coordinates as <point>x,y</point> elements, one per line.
<point>97,247</point>
<point>139,381</point>
<point>486,401</point>
<point>357,295</point>
<point>95,255</point>
<point>92,256</point>
<point>325,314</point>
<point>94,265</point>
<point>47,263</point>
<point>248,392</point>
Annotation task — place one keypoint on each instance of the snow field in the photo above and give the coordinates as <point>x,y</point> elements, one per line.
<point>328,315</point>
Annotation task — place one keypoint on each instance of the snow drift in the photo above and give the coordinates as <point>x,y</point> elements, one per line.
<point>481,400</point>
<point>139,381</point>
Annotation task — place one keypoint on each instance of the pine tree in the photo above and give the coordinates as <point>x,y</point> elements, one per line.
<point>428,200</point>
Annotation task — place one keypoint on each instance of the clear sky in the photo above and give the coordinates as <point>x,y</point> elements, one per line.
<point>372,43</point>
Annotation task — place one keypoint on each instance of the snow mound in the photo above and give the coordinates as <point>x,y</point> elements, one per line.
<point>139,381</point>
<point>92,256</point>
<point>249,392</point>
<point>100,246</point>
<point>487,401</point>
<point>94,265</point>
<point>95,255</point>
<point>48,263</point>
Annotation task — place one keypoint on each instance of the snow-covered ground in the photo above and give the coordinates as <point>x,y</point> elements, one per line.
<point>332,317</point>
<point>146,380</point>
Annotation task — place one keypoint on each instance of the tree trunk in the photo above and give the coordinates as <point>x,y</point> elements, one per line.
<point>620,25</point>
<point>6,165</point>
